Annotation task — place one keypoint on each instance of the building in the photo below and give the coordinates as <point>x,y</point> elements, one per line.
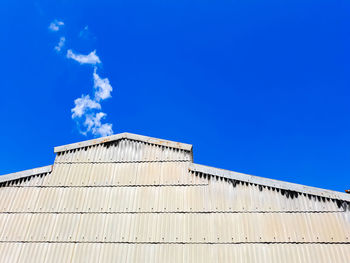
<point>131,198</point>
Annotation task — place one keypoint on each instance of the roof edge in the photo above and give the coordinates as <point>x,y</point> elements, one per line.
<point>125,135</point>
<point>269,182</point>
<point>25,173</point>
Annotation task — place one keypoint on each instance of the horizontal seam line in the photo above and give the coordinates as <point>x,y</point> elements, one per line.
<point>179,243</point>
<point>175,212</point>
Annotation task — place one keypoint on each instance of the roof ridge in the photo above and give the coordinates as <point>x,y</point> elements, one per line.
<point>25,173</point>
<point>124,135</point>
<point>269,182</point>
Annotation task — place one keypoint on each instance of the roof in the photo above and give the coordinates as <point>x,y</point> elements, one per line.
<point>136,201</point>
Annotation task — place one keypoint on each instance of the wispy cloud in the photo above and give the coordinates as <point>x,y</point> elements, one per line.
<point>82,105</point>
<point>102,87</point>
<point>93,124</point>
<point>103,130</point>
<point>60,44</point>
<point>90,58</point>
<point>56,25</point>
<point>87,110</point>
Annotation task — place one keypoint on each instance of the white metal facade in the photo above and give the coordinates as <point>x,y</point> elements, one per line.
<point>138,199</point>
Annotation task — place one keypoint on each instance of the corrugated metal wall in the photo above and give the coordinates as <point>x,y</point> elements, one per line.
<point>130,201</point>
<point>173,253</point>
<point>123,151</point>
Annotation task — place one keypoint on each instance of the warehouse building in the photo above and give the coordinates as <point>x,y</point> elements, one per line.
<point>131,198</point>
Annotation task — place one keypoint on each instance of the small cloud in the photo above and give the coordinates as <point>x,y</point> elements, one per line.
<point>56,25</point>
<point>91,58</point>
<point>93,124</point>
<point>82,105</point>
<point>103,130</point>
<point>102,86</point>
<point>94,120</point>
<point>60,44</point>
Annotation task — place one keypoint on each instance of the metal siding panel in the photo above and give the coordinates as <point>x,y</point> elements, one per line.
<point>79,201</point>
<point>86,252</point>
<point>115,203</point>
<point>96,199</point>
<point>3,221</point>
<point>80,174</point>
<point>33,252</point>
<point>178,205</point>
<point>48,199</point>
<point>24,199</point>
<point>59,252</point>
<point>58,178</point>
<point>144,174</point>
<point>96,175</point>
<point>125,174</point>
<point>124,150</point>
<point>109,173</point>
<point>65,227</point>
<point>111,227</point>
<point>40,227</point>
<point>7,195</point>
<point>16,227</point>
<point>91,228</point>
<point>147,198</point>
<point>9,252</point>
<point>72,199</point>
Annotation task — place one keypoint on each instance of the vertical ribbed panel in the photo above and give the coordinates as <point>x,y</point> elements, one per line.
<point>177,227</point>
<point>174,253</point>
<point>156,191</point>
<point>123,151</point>
<point>121,174</point>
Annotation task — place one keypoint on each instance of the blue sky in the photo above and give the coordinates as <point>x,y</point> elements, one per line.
<point>260,87</point>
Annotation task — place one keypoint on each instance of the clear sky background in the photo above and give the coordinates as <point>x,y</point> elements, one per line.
<point>259,87</point>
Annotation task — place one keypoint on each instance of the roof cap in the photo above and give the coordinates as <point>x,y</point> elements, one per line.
<point>25,173</point>
<point>125,135</point>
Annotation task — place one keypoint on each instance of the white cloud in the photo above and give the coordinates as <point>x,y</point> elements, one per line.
<point>94,120</point>
<point>91,58</point>
<point>82,105</point>
<point>60,44</point>
<point>56,25</point>
<point>103,130</point>
<point>93,124</point>
<point>102,86</point>
<point>87,111</point>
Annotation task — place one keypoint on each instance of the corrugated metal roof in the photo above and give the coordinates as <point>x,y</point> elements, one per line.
<point>130,200</point>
